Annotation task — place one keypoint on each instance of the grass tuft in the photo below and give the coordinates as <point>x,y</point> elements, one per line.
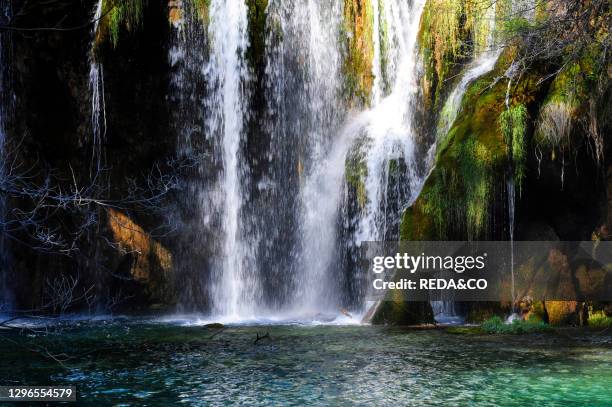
<point>496,325</point>
<point>599,319</point>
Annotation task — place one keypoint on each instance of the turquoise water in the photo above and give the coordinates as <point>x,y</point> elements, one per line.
<point>140,363</point>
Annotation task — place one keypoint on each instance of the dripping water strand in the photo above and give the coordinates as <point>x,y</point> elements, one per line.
<point>511,214</point>
<point>97,97</point>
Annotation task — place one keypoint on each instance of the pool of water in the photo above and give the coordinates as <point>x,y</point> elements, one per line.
<point>153,363</point>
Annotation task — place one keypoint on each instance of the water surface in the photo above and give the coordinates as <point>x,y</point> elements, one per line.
<point>151,363</point>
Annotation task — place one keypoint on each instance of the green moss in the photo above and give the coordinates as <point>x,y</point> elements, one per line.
<point>451,32</point>
<point>598,319</point>
<point>358,42</point>
<point>257,31</point>
<point>496,325</point>
<point>433,207</point>
<point>384,46</point>
<point>415,224</point>
<point>568,99</point>
<point>440,37</point>
<point>441,29</point>
<point>356,172</point>
<point>513,126</point>
<point>470,160</point>
<point>467,160</point>
<point>559,110</point>
<point>201,9</point>
<point>117,16</point>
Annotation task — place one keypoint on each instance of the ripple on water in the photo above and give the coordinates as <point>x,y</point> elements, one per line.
<point>166,363</point>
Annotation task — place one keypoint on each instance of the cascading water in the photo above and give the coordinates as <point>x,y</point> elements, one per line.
<point>96,88</point>
<point>376,138</point>
<point>209,88</point>
<point>280,206</point>
<point>388,136</point>
<point>235,284</point>
<point>394,174</point>
<point>305,111</point>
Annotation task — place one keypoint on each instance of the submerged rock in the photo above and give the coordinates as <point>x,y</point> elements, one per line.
<point>214,325</point>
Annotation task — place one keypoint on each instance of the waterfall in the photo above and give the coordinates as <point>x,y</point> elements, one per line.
<point>235,285</point>
<point>305,111</point>
<point>388,134</point>
<point>96,88</point>
<point>378,136</point>
<point>209,90</point>
<point>269,187</point>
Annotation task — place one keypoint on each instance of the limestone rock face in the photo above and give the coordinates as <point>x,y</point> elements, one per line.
<point>140,257</point>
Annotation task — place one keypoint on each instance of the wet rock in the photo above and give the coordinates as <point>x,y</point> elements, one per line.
<point>214,325</point>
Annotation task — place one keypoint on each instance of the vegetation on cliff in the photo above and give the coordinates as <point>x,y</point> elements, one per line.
<point>452,31</point>
<point>118,15</point>
<point>457,195</point>
<point>473,158</point>
<point>358,50</point>
<point>513,126</point>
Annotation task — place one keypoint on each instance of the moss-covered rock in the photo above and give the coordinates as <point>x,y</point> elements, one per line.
<point>459,188</point>
<point>471,161</point>
<point>441,39</point>
<point>395,310</point>
<point>451,32</point>
<point>356,172</point>
<point>358,51</point>
<point>569,114</point>
<point>118,15</point>
<point>513,125</point>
